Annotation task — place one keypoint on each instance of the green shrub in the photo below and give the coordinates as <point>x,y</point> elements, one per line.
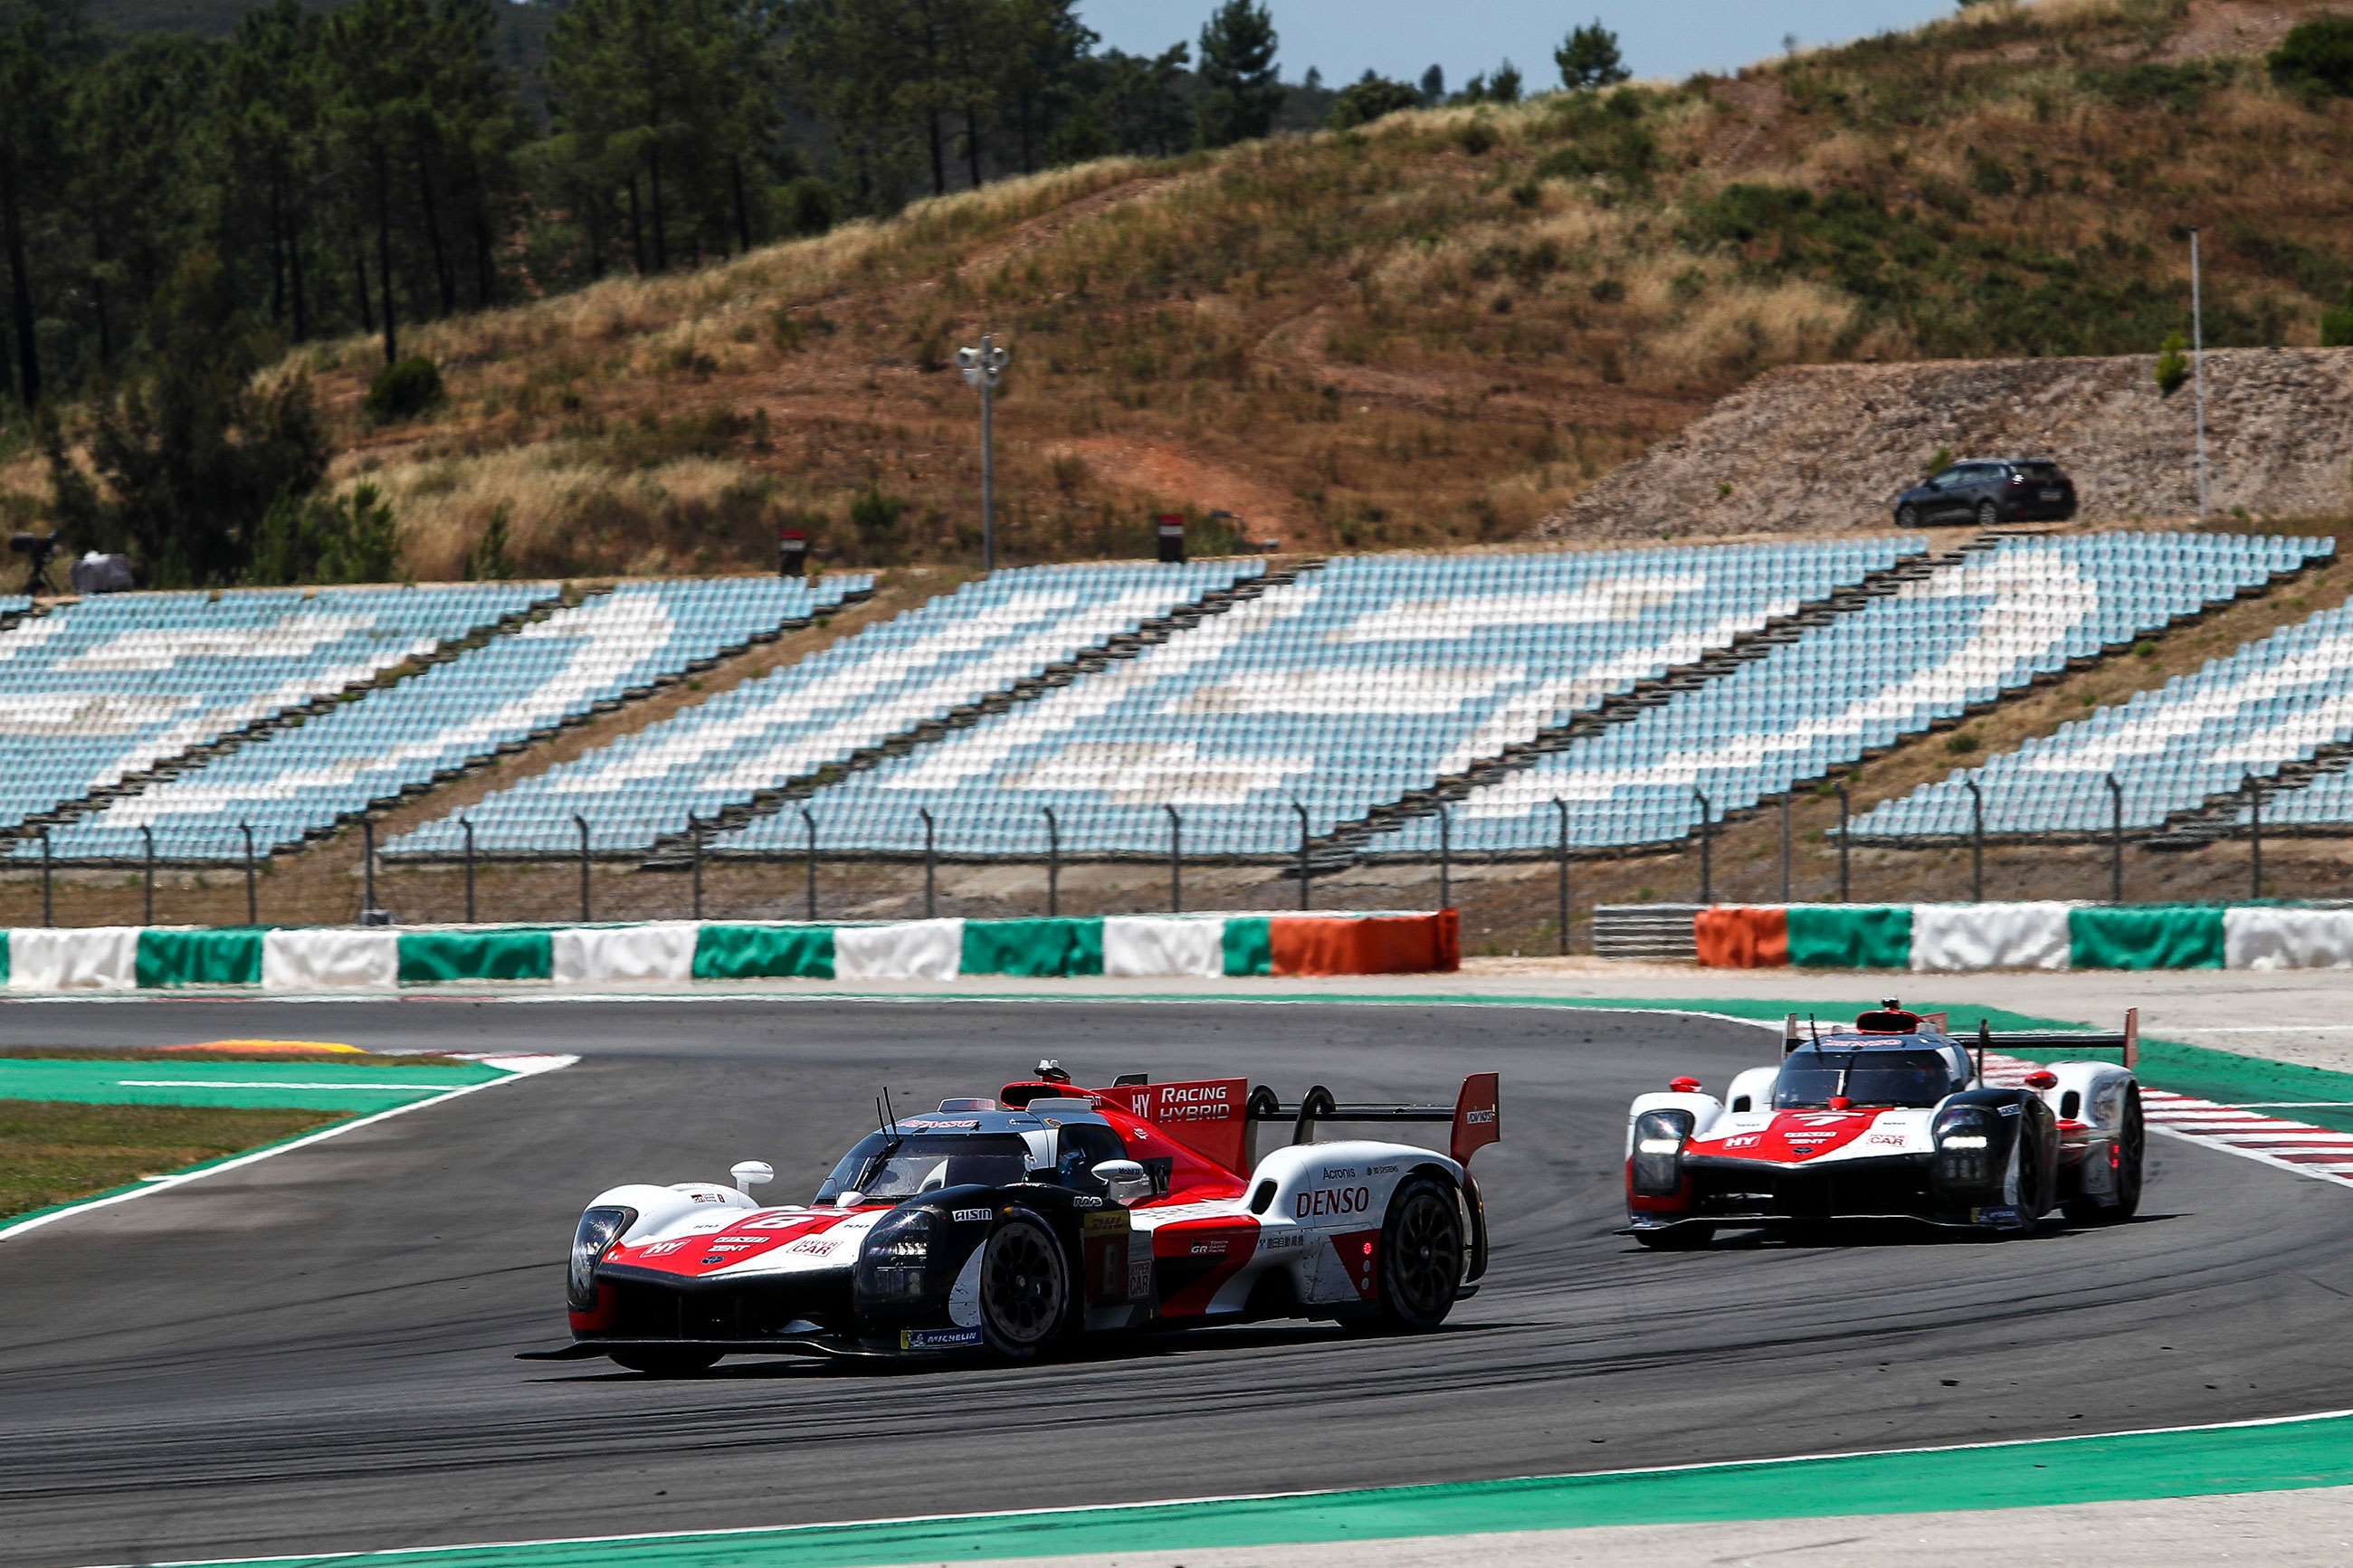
<point>326,538</point>
<point>2336,325</point>
<point>404,390</point>
<point>2316,58</point>
<point>2172,365</point>
<point>1362,102</point>
<point>872,513</point>
<point>487,562</point>
<point>1938,461</point>
<point>1476,137</point>
<point>1961,743</point>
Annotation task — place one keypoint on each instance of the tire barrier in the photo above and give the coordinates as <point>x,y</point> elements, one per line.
<point>679,952</point>
<point>2038,935</point>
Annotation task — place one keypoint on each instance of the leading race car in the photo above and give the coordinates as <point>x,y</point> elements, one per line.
<point>1011,1225</point>
<point>1892,1119</point>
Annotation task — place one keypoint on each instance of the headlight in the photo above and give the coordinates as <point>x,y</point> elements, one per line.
<point>1658,1152</point>
<point>896,1253</point>
<point>1963,1135</point>
<point>1966,1140</point>
<point>599,1228</point>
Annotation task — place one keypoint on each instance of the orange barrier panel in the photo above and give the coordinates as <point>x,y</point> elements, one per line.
<point>1392,945</point>
<point>1738,937</point>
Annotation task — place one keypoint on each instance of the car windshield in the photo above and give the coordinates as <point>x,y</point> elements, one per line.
<point>886,1169</point>
<point>1869,1076</point>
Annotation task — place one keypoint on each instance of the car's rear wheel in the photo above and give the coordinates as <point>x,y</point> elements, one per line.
<point>682,1362</point>
<point>1677,1238</point>
<point>2132,1141</point>
<point>1988,514</point>
<point>1907,517</point>
<point>1421,1265</point>
<point>1025,1288</point>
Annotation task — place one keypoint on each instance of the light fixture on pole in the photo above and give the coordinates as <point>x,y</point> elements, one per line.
<point>2198,363</point>
<point>983,368</point>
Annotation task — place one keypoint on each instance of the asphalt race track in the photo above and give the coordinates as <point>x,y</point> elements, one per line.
<point>316,1351</point>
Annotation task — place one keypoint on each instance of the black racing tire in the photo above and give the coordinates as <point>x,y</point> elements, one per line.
<point>2037,1156</point>
<point>1025,1288</point>
<point>1420,1260</point>
<point>2132,1144</point>
<point>1988,514</point>
<point>1907,516</point>
<point>1677,1238</point>
<point>662,1361</point>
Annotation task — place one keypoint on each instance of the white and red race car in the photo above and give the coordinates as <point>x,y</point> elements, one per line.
<point>1011,1225</point>
<point>1892,1119</point>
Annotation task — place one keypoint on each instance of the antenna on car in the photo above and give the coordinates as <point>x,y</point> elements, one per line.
<point>1985,1036</point>
<point>890,1111</point>
<point>1816,1027</point>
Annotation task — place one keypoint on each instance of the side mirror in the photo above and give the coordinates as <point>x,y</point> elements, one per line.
<point>750,1174</point>
<point>1124,1181</point>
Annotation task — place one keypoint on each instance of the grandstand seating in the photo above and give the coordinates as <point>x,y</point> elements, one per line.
<point>112,685</point>
<point>2324,801</point>
<point>2274,703</point>
<point>908,671</point>
<point>1959,638</point>
<point>301,780</point>
<point>1341,690</point>
<point>13,604</point>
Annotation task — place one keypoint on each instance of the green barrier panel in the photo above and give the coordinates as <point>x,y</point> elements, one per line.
<point>1033,948</point>
<point>428,957</point>
<point>4,958</point>
<point>764,952</point>
<point>1250,947</point>
<point>1856,936</point>
<point>230,956</point>
<point>2146,936</point>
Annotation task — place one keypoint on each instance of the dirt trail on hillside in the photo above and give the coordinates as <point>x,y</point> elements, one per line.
<point>1803,449</point>
<point>1184,477</point>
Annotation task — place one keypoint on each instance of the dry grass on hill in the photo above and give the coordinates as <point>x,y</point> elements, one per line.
<point>1437,330</point>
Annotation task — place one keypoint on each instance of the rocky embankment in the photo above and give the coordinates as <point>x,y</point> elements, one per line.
<point>1822,447</point>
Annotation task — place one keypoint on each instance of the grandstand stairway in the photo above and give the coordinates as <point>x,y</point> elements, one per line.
<point>203,752</point>
<point>1337,850</point>
<point>2224,814</point>
<point>1147,633</point>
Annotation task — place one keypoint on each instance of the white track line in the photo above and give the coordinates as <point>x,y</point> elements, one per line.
<point>517,1066</point>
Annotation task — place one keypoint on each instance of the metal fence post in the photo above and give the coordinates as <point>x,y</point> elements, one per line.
<point>148,903</point>
<point>1303,852</point>
<point>2254,838</point>
<point>1977,841</point>
<point>1053,864</point>
<point>48,905</point>
<point>808,827</point>
<point>252,892</point>
<point>1785,846</point>
<point>1845,807</point>
<point>367,867</point>
<point>467,823</point>
<point>2116,840</point>
<point>1175,862</point>
<point>581,823</point>
<point>1706,850</point>
<point>1560,887</point>
<point>1445,857</point>
<point>694,839</point>
<point>931,862</point>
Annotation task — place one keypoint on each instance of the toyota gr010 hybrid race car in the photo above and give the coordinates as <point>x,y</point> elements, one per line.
<point>1892,1119</point>
<point>1012,1225</point>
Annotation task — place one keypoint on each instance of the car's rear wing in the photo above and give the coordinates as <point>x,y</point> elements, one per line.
<point>2125,1042</point>
<point>1476,1116</point>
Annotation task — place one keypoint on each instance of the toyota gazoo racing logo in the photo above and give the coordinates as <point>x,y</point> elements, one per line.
<point>1320,1201</point>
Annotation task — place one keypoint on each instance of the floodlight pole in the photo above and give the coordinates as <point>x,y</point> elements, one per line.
<point>983,368</point>
<point>2198,362</point>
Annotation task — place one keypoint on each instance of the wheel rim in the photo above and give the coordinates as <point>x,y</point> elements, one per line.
<point>1423,1261</point>
<point>1021,1287</point>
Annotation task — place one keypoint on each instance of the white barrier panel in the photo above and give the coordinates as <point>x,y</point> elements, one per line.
<point>914,950</point>
<point>625,953</point>
<point>329,960</point>
<point>83,958</point>
<point>1990,936</point>
<point>2287,938</point>
<point>1149,945</point>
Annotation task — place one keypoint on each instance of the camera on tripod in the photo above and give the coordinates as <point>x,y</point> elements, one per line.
<point>38,548</point>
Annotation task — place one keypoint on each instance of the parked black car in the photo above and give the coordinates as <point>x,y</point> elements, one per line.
<point>1987,491</point>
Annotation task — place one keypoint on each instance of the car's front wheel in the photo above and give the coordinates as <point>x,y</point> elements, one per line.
<point>682,1362</point>
<point>1025,1288</point>
<point>1988,514</point>
<point>1907,516</point>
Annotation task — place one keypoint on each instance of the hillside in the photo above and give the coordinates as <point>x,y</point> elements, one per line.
<point>1827,446</point>
<point>1444,328</point>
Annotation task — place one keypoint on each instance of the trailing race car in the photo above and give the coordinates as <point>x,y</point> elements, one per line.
<point>1012,1225</point>
<point>1892,1119</point>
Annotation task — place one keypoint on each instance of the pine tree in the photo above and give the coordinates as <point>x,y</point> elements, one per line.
<point>1240,93</point>
<point>1589,59</point>
<point>40,41</point>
